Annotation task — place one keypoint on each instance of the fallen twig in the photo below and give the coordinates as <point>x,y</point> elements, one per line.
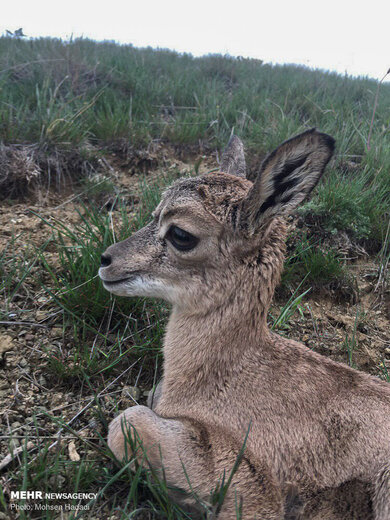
<point>26,323</point>
<point>11,456</point>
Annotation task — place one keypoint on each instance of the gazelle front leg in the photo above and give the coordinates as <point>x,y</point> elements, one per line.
<point>194,460</point>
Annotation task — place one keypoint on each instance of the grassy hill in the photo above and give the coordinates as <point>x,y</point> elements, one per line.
<point>75,117</point>
<point>70,101</point>
<point>59,93</point>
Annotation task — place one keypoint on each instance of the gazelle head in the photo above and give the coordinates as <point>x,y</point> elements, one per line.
<point>211,233</point>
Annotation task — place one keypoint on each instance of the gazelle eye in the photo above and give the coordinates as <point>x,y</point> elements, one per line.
<point>180,239</point>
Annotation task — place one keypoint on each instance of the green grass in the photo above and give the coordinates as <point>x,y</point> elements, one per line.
<point>354,202</point>
<point>120,491</point>
<point>61,92</point>
<point>289,308</point>
<point>322,267</point>
<point>15,267</point>
<point>313,263</point>
<point>350,343</point>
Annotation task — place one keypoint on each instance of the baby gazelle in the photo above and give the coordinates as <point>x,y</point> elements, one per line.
<point>214,250</point>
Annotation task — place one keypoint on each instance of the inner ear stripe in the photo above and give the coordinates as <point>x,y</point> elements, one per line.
<point>287,185</point>
<point>287,198</point>
<point>268,203</point>
<point>280,190</point>
<point>288,168</point>
<point>283,201</point>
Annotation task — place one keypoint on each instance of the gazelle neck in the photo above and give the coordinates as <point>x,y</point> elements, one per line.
<point>204,341</point>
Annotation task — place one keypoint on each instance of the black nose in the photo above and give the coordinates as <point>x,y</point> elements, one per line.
<point>105,260</point>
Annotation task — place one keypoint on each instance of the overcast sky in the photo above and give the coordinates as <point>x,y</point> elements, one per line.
<point>343,35</point>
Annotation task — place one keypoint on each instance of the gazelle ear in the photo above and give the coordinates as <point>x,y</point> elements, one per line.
<point>286,178</point>
<point>233,158</point>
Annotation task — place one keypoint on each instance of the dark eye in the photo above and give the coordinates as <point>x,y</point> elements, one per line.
<point>180,239</point>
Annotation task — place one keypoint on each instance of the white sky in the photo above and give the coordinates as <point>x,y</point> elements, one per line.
<point>344,35</point>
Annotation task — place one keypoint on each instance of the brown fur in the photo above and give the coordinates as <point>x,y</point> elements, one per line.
<point>317,424</point>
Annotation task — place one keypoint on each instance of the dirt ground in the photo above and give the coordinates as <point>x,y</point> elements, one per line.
<point>357,333</point>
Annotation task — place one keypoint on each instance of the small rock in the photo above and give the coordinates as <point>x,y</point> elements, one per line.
<point>13,444</point>
<point>5,343</point>
<point>58,480</point>
<point>73,455</point>
<point>51,347</point>
<point>56,332</point>
<point>93,423</point>
<point>131,391</point>
<point>23,362</point>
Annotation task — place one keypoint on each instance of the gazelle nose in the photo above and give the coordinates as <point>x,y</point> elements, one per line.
<point>105,260</point>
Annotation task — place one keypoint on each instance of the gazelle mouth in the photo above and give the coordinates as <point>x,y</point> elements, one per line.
<point>114,282</point>
<point>111,283</point>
